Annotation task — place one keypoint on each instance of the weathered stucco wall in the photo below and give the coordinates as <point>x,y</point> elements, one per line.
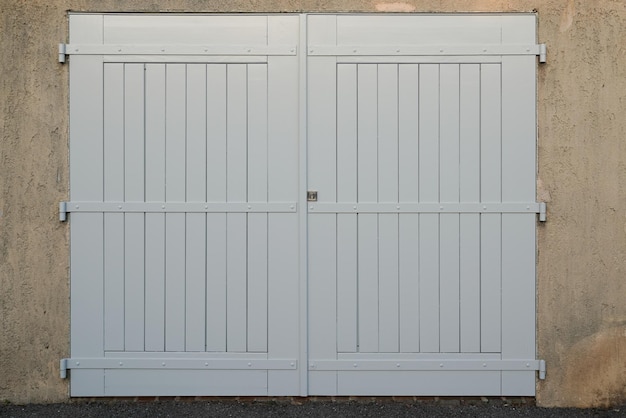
<point>582,167</point>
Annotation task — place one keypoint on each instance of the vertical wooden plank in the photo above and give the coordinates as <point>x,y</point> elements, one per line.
<point>257,222</point>
<point>346,223</point>
<point>87,299</point>
<point>86,232</point>
<point>490,177</point>
<point>449,269</point>
<point>347,283</point>
<point>322,228</point>
<point>155,222</point>
<point>195,291</point>
<point>367,106</point>
<point>175,145</point>
<point>286,285</point>
<point>429,192</point>
<point>407,192</point>
<point>216,222</point>
<point>134,222</point>
<point>322,177</point>
<point>236,223</point>
<point>114,222</point>
<point>518,230</point>
<point>469,170</point>
<point>368,192</point>
<point>388,333</point>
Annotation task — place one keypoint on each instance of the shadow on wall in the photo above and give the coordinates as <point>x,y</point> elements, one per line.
<point>598,361</point>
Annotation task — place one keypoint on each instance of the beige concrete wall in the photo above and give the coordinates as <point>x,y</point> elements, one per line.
<point>582,167</point>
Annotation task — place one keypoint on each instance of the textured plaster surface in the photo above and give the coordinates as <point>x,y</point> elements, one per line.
<point>581,301</point>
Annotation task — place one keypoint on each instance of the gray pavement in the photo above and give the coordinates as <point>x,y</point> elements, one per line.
<point>303,409</point>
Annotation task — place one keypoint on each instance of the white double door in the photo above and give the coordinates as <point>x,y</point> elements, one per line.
<point>200,268</point>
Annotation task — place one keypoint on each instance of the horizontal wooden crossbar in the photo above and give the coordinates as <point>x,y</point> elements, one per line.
<point>176,207</point>
<point>176,363</point>
<point>427,50</point>
<point>478,207</point>
<point>426,365</point>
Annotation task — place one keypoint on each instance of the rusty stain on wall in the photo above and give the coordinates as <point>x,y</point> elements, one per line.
<point>581,291</point>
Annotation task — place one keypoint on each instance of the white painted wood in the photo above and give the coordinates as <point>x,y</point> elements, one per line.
<point>417,29</point>
<point>195,263</point>
<point>185,29</point>
<point>435,383</point>
<point>322,229</point>
<point>422,243</point>
<point>216,282</point>
<point>186,382</point>
<point>175,145</point>
<point>367,106</point>
<point>113,149</point>
<point>347,224</point>
<point>257,223</point>
<point>491,190</point>
<point>286,262</point>
<point>449,191</point>
<point>388,334</point>
<point>367,191</point>
<point>322,298</point>
<point>236,286</point>
<point>469,227</point>
<point>429,191</point>
<point>134,277</point>
<point>257,282</point>
<point>236,224</point>
<point>155,223</point>
<point>134,274</point>
<point>347,283</point>
<point>86,232</point>
<point>518,231</point>
<point>408,266</point>
<point>216,222</point>
<point>368,279</point>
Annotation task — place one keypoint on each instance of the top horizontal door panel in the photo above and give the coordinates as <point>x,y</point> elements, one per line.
<point>375,30</point>
<point>179,29</point>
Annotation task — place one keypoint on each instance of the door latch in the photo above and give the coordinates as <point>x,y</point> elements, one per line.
<point>311,196</point>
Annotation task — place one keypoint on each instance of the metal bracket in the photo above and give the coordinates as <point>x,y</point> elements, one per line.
<point>62,211</point>
<point>63,368</point>
<point>542,369</point>
<point>62,52</point>
<point>542,211</point>
<point>543,52</point>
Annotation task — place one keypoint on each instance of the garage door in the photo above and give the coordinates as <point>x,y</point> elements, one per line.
<point>295,205</point>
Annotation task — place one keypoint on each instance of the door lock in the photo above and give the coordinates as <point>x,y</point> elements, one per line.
<point>311,196</point>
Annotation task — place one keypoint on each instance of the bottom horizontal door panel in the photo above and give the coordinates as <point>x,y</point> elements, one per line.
<point>406,383</point>
<point>174,383</point>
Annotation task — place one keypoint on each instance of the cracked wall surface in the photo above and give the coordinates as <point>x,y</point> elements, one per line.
<point>581,295</point>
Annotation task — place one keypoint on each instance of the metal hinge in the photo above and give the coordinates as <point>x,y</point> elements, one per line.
<point>62,52</point>
<point>542,369</point>
<point>62,211</point>
<point>542,211</point>
<point>543,52</point>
